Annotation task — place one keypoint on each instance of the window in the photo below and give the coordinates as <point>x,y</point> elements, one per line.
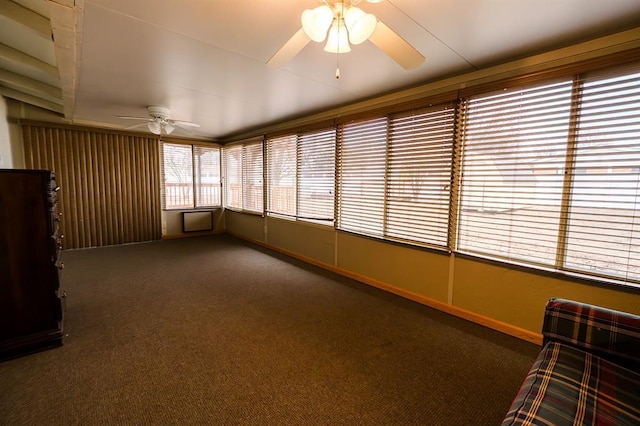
<point>603,229</point>
<point>208,187</point>
<point>233,177</point>
<point>281,173</point>
<point>419,175</point>
<point>550,176</point>
<point>361,177</point>
<point>191,176</point>
<point>395,175</point>
<point>546,175</point>
<point>317,175</point>
<point>513,157</point>
<point>243,176</point>
<point>301,176</point>
<point>252,188</point>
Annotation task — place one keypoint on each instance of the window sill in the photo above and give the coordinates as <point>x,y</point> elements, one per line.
<point>247,212</point>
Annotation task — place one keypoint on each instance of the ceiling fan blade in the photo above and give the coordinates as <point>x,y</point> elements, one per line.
<point>290,49</point>
<point>396,47</point>
<point>135,126</point>
<point>128,117</point>
<point>183,129</point>
<point>181,123</point>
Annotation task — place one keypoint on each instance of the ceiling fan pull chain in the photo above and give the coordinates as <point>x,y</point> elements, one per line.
<point>338,63</point>
<point>338,59</point>
<point>338,47</point>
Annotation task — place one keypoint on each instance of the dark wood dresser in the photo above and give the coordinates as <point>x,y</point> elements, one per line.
<point>30,295</point>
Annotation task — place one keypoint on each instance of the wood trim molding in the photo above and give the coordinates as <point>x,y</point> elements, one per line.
<point>190,235</point>
<point>503,327</point>
<point>113,131</point>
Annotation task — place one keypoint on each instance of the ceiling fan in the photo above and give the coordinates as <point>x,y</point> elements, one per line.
<point>341,23</point>
<point>159,122</point>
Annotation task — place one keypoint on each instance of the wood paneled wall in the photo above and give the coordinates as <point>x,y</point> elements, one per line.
<point>109,183</point>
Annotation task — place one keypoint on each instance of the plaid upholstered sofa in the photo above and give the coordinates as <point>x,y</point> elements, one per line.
<point>588,371</point>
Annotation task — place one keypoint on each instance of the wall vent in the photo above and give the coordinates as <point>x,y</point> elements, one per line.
<point>197,221</point>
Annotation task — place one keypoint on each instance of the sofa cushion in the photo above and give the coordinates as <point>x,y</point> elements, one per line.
<point>613,335</point>
<point>569,386</point>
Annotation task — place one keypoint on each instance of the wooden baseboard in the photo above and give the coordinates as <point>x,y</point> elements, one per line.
<point>503,327</point>
<point>191,234</point>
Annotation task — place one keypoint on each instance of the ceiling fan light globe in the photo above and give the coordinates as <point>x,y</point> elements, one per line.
<point>154,127</point>
<point>375,1</point>
<point>338,40</point>
<point>316,22</point>
<point>168,128</point>
<point>359,24</point>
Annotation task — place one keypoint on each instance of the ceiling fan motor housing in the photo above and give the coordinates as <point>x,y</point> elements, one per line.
<point>159,112</point>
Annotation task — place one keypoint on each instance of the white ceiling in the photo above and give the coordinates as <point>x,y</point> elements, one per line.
<point>206,59</point>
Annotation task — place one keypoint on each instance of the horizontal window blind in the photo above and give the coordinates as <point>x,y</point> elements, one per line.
<point>177,176</point>
<point>419,175</point>
<point>252,176</point>
<point>233,177</point>
<point>546,175</point>
<point>281,175</point>
<point>514,152</point>
<point>243,167</point>
<point>206,164</point>
<point>316,176</point>
<point>604,217</point>
<point>361,176</point>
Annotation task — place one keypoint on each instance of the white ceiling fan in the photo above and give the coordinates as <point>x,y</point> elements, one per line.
<point>159,122</point>
<point>341,23</point>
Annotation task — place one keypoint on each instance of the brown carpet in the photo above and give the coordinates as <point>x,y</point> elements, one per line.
<point>213,330</point>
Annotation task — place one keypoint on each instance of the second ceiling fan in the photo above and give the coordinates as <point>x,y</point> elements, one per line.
<point>158,121</point>
<point>341,23</point>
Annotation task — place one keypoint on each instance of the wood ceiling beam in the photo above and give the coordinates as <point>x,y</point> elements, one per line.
<point>20,58</point>
<point>66,24</point>
<point>30,19</point>
<point>30,86</point>
<point>30,99</point>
